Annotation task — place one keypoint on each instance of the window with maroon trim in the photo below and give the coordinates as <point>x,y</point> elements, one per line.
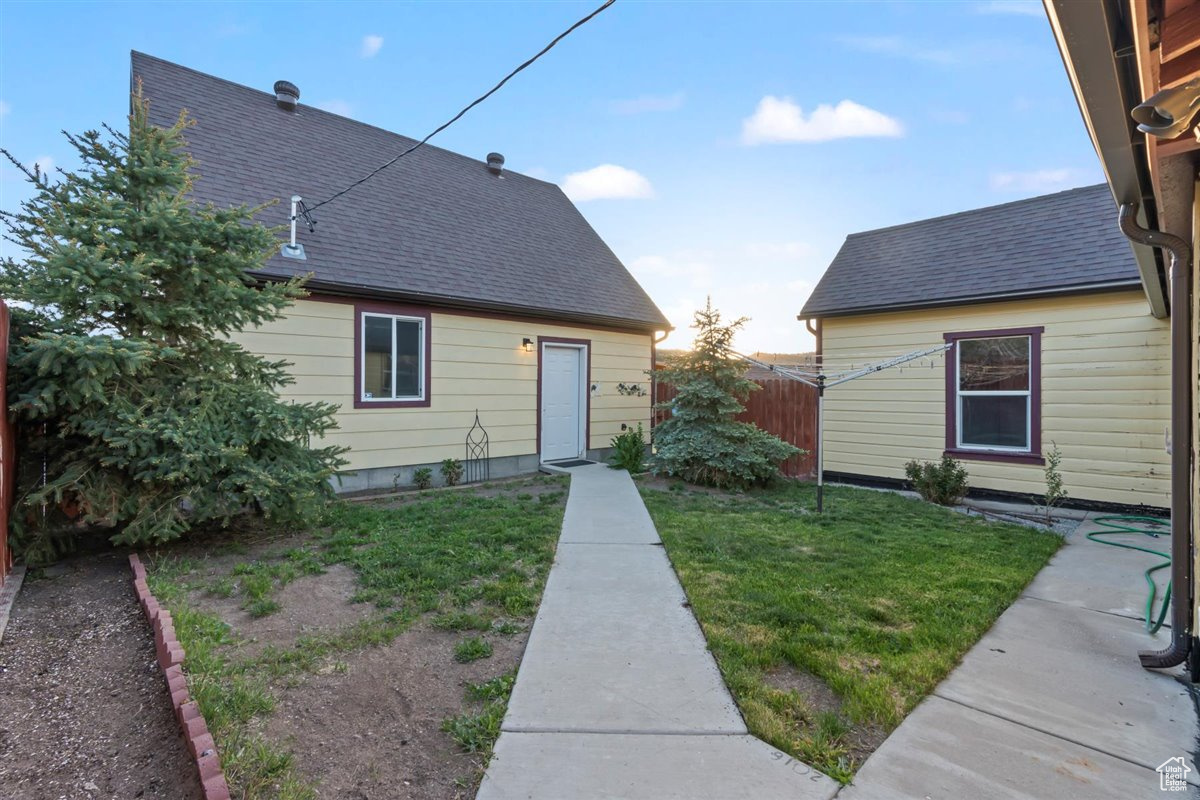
<point>391,358</point>
<point>993,394</point>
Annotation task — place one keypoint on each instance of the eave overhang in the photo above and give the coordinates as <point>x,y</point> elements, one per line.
<point>1100,58</point>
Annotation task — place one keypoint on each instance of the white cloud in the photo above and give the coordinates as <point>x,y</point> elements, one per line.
<point>1037,180</point>
<point>901,48</point>
<point>780,120</point>
<point>4,108</point>
<point>648,102</point>
<point>371,44</point>
<point>1024,8</point>
<point>336,106</point>
<point>606,182</point>
<point>44,163</point>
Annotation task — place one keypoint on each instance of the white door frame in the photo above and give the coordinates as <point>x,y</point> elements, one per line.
<point>584,386</point>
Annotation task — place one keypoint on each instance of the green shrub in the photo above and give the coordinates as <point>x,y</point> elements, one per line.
<point>1055,491</point>
<point>140,413</point>
<point>629,450</point>
<point>452,471</point>
<point>701,442</point>
<point>423,477</point>
<point>944,483</point>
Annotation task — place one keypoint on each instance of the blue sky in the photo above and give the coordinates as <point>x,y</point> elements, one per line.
<point>721,149</point>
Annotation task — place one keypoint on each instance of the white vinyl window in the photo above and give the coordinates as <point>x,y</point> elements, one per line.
<point>392,360</point>
<point>993,394</point>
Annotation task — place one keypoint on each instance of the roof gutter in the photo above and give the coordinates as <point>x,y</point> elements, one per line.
<point>450,304</point>
<point>1029,294</point>
<point>1181,437</point>
<point>1098,54</point>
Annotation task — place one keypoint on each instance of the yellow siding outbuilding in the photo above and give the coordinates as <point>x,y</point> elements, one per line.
<point>1104,394</point>
<point>476,363</point>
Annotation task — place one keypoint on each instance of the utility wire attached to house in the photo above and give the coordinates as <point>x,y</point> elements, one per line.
<point>461,113</point>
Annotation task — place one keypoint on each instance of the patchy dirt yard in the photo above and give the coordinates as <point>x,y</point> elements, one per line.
<point>372,728</point>
<point>84,710</point>
<point>371,657</point>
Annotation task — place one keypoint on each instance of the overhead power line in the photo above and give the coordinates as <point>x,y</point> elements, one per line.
<point>467,108</point>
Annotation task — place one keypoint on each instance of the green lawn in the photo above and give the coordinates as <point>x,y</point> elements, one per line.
<point>830,628</point>
<point>468,561</point>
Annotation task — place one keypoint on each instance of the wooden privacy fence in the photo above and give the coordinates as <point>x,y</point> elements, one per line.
<point>8,450</point>
<point>785,408</point>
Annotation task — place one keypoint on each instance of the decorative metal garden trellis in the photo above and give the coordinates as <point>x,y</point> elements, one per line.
<point>477,465</point>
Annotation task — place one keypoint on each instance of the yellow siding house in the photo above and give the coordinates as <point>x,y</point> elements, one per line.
<point>1051,343</point>
<point>448,293</point>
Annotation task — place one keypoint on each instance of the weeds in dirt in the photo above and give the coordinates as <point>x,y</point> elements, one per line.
<point>466,558</point>
<point>477,733</point>
<point>461,621</point>
<point>472,649</point>
<point>229,695</point>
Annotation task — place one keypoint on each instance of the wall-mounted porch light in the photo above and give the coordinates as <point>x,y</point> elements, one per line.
<point>527,345</point>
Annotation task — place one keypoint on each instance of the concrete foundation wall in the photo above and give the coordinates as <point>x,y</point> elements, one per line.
<point>401,477</point>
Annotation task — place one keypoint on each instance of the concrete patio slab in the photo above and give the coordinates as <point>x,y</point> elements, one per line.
<point>614,648</point>
<point>541,766</point>
<point>1074,673</point>
<point>944,751</point>
<point>1087,574</point>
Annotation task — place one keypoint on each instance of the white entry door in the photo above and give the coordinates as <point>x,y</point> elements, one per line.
<point>563,401</point>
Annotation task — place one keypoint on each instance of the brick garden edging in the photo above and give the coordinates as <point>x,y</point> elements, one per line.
<point>170,659</point>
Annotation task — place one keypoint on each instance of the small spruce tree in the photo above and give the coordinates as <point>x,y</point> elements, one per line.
<point>701,441</point>
<point>123,378</point>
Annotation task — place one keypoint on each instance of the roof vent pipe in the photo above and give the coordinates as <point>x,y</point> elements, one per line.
<point>287,96</point>
<point>495,163</point>
<point>294,249</point>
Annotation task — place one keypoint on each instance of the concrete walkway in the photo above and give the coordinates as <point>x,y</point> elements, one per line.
<point>617,695</point>
<point>1051,702</point>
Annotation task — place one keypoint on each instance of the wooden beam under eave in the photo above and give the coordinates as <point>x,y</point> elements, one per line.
<point>1180,33</point>
<point>1147,69</point>
<point>1179,70</point>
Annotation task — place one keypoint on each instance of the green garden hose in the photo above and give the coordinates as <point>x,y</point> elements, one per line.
<point>1146,526</point>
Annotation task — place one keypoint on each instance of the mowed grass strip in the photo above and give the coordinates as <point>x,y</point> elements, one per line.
<point>468,560</point>
<point>878,599</point>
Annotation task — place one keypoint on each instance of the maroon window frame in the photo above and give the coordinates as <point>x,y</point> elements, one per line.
<point>1034,454</point>
<point>391,309</point>
<point>587,424</point>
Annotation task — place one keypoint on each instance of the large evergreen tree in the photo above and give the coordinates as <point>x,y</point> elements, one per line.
<point>701,441</point>
<point>122,373</point>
